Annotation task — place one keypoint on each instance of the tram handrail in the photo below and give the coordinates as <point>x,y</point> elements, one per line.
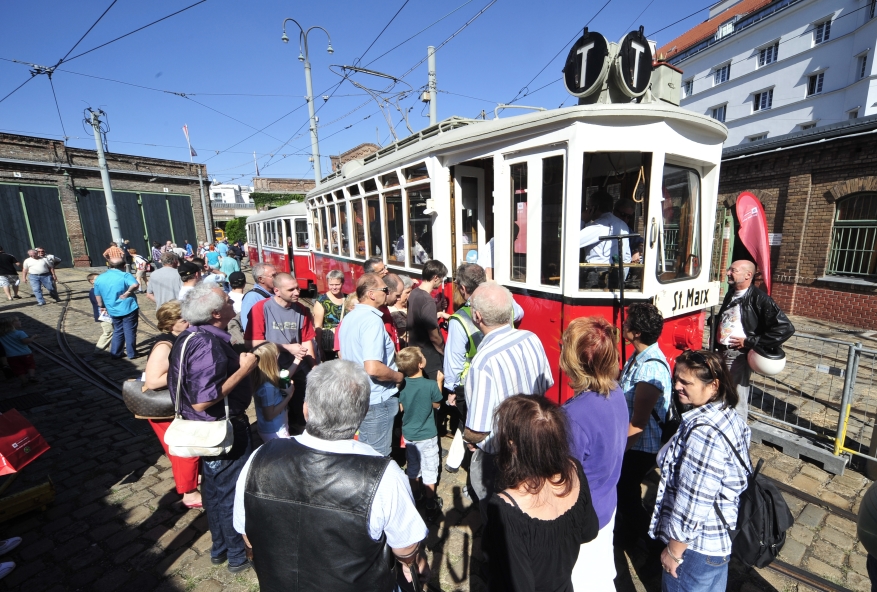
<point>502,106</point>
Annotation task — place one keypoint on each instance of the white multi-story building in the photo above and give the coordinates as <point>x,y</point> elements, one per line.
<point>767,68</point>
<point>228,193</point>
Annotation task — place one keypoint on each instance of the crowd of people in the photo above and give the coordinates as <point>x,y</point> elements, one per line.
<point>558,487</point>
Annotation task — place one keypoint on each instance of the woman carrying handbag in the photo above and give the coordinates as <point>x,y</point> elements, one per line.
<point>208,383</point>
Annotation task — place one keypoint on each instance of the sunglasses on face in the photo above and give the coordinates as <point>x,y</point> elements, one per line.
<point>385,290</point>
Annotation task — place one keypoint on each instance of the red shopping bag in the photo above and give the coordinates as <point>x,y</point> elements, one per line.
<point>20,442</point>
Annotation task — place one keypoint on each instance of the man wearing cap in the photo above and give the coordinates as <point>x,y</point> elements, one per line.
<point>164,284</point>
<point>749,319</point>
<point>237,281</point>
<point>189,274</point>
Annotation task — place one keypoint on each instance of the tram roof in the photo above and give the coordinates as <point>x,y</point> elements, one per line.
<point>293,209</point>
<point>456,132</point>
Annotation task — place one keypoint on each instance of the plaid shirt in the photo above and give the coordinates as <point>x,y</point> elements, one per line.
<point>698,469</point>
<point>640,369</point>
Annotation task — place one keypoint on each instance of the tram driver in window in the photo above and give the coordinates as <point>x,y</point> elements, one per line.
<point>600,221</point>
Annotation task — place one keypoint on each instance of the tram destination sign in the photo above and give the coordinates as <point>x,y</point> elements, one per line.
<point>675,302</point>
<point>587,65</point>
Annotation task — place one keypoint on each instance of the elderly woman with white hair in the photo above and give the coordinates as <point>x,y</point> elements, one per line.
<point>208,371</point>
<point>329,313</point>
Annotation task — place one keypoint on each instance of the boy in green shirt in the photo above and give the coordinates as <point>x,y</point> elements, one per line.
<point>418,400</point>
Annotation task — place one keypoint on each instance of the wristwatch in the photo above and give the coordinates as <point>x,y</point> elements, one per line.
<point>678,560</point>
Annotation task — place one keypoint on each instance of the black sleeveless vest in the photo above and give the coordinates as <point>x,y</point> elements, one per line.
<point>307,520</point>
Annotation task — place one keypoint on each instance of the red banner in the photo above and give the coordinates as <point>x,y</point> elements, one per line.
<point>20,442</point>
<point>753,233</point>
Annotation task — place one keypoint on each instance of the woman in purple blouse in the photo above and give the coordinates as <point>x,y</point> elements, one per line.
<point>598,434</point>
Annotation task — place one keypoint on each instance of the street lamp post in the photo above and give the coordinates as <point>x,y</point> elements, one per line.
<point>304,57</point>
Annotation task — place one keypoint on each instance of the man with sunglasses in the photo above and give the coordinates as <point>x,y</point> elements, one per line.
<point>39,270</point>
<point>365,341</point>
<point>748,319</point>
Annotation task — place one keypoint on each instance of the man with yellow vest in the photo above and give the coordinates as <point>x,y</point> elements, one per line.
<point>460,347</point>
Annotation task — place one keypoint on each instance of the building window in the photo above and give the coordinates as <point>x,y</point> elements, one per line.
<point>757,137</point>
<point>806,126</point>
<point>822,32</point>
<point>217,196</point>
<point>688,86</point>
<point>768,55</point>
<point>718,113</point>
<point>722,74</point>
<point>725,29</point>
<point>873,7</point>
<point>814,84</point>
<point>763,100</point>
<point>854,114</point>
<point>863,64</point>
<point>853,237</point>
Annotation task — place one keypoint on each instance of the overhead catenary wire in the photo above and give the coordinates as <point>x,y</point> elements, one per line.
<point>55,96</point>
<point>84,35</point>
<point>359,59</point>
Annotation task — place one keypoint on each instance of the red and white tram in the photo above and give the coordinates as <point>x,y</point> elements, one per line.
<point>526,183</point>
<point>280,237</point>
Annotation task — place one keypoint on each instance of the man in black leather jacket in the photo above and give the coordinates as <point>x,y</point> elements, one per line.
<point>748,319</point>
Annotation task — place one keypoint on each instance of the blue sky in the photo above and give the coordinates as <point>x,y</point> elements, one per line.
<point>223,54</point>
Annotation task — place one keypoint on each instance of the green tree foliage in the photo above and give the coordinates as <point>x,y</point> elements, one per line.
<point>263,200</point>
<point>236,230</point>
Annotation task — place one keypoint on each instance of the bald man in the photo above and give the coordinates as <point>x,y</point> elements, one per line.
<point>748,319</point>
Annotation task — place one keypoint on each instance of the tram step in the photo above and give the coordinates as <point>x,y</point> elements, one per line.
<point>797,446</point>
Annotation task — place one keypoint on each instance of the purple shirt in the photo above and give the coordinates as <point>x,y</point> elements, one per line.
<point>598,434</point>
<point>210,360</point>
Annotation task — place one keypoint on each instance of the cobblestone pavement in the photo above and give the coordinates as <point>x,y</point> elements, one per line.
<point>117,524</point>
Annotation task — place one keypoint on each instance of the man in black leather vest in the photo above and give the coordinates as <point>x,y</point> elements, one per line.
<point>322,511</point>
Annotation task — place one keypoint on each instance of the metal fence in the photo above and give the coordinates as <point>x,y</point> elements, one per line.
<point>827,391</point>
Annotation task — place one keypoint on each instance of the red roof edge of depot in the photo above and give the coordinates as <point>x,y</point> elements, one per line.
<point>708,28</point>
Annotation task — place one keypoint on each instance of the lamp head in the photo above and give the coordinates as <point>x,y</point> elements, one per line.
<point>285,39</point>
<point>330,50</point>
<point>301,57</point>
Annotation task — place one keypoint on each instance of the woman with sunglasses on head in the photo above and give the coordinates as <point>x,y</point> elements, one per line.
<point>700,474</point>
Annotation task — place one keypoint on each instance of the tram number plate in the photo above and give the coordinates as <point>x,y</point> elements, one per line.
<point>673,303</point>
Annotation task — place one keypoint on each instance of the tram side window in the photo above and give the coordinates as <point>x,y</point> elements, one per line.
<point>614,199</point>
<point>318,234</point>
<point>679,246</point>
<point>342,224</point>
<point>552,219</point>
<point>375,224</point>
<point>325,230</point>
<point>469,190</point>
<point>519,222</point>
<point>335,232</point>
<point>358,229</point>
<point>395,227</point>
<point>301,234</point>
<point>420,226</point>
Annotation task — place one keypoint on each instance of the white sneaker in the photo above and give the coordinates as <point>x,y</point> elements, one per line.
<point>8,545</point>
<point>5,568</point>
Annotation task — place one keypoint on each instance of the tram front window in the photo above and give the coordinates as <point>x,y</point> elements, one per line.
<point>679,246</point>
<point>552,219</point>
<point>420,226</point>
<point>614,200</point>
<point>518,173</point>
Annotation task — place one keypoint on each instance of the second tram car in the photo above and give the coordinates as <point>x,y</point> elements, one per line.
<point>280,237</point>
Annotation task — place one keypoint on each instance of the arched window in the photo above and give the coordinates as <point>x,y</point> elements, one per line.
<point>854,237</point>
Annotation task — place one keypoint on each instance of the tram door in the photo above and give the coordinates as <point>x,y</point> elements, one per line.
<point>289,234</point>
<point>469,189</point>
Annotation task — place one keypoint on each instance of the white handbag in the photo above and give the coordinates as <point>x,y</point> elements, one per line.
<point>189,439</point>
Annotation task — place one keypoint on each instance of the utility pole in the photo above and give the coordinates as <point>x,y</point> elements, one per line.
<point>115,228</point>
<point>433,108</point>
<point>208,227</point>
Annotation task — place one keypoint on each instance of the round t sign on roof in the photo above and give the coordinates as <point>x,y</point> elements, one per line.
<point>634,64</point>
<point>586,65</point>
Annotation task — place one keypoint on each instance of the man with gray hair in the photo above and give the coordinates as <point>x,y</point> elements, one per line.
<point>375,265</point>
<point>263,287</point>
<point>509,362</point>
<point>318,510</point>
<point>165,283</point>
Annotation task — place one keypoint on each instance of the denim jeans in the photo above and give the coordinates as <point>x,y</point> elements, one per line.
<point>125,334</point>
<point>871,564</point>
<point>698,573</point>
<point>219,475</point>
<point>38,281</point>
<point>377,427</point>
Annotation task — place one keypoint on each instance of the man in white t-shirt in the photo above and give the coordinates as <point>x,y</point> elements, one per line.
<point>39,270</point>
<point>334,502</point>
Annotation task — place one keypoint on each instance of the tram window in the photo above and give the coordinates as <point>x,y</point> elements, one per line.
<point>552,219</point>
<point>391,179</point>
<point>679,246</point>
<point>519,223</point>
<point>374,226</point>
<point>353,189</point>
<point>395,245</point>
<point>325,227</point>
<point>301,234</point>
<point>420,226</point>
<point>369,185</point>
<point>334,231</point>
<point>614,198</point>
<point>358,229</point>
<point>342,228</point>
<point>469,189</point>
<point>318,234</point>
<point>416,172</point>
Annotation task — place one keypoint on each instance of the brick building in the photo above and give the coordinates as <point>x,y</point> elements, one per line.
<point>52,195</point>
<point>265,185</point>
<point>357,153</point>
<point>819,191</point>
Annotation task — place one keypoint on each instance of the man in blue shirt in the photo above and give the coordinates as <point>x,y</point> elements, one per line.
<point>365,342</point>
<point>222,248</point>
<point>189,252</point>
<point>114,291</point>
